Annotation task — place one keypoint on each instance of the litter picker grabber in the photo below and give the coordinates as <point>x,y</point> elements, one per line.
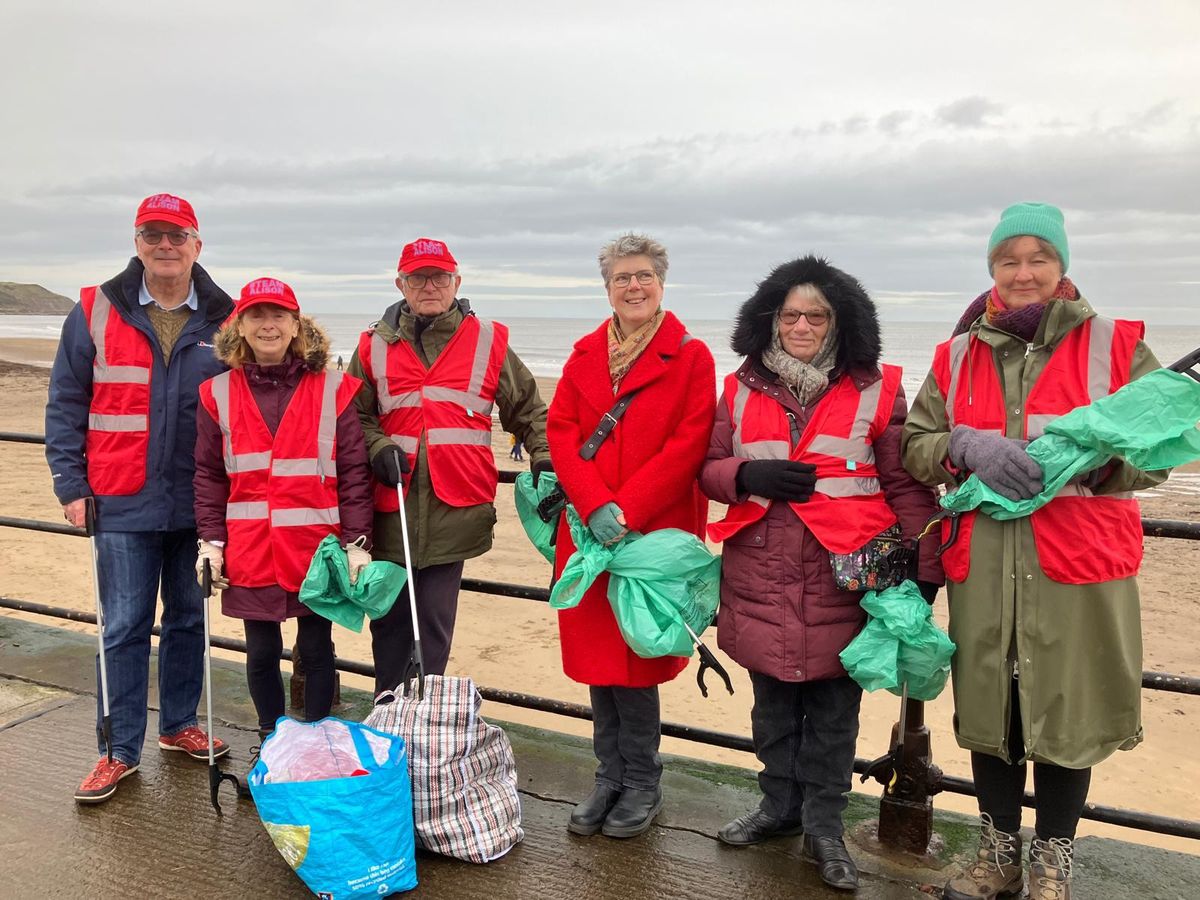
<point>215,775</point>
<point>1188,365</point>
<point>416,663</point>
<point>707,661</point>
<point>89,524</point>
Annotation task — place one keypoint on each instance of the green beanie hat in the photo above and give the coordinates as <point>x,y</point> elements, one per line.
<point>1038,219</point>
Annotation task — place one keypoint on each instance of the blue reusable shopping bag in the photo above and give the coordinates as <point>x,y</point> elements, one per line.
<point>347,835</point>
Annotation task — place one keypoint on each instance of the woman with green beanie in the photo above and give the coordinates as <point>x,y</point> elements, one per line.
<point>1044,609</point>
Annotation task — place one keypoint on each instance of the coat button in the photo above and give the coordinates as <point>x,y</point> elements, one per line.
<point>1017,411</point>
<point>758,539</point>
<point>799,673</point>
<point>1029,578</point>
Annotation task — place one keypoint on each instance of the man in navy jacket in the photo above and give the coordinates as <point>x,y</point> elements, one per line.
<point>120,434</point>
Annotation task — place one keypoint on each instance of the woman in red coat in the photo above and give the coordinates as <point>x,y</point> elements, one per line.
<point>642,478</point>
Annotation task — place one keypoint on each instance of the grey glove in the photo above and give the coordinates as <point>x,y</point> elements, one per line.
<point>604,524</point>
<point>1001,463</point>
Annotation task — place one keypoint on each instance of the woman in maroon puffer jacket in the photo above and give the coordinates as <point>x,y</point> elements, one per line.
<point>290,485</point>
<point>806,451</point>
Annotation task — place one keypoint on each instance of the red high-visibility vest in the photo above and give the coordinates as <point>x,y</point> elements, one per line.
<point>847,507</point>
<point>283,496</point>
<point>1081,538</point>
<point>118,435</point>
<point>449,406</point>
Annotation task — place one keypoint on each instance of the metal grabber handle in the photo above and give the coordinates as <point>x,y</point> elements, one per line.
<point>416,663</point>
<point>89,525</point>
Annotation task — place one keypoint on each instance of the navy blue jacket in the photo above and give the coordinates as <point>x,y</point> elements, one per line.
<point>165,501</point>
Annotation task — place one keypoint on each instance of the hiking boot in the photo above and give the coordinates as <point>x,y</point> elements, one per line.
<point>1050,868</point>
<point>633,813</point>
<point>754,827</point>
<point>588,817</point>
<point>193,742</point>
<point>833,861</point>
<point>101,782</point>
<point>996,871</point>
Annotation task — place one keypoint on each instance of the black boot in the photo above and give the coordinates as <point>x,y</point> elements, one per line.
<point>754,827</point>
<point>633,813</point>
<point>833,861</point>
<point>589,815</point>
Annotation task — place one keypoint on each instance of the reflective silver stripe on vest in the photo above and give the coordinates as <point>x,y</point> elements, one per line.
<point>842,448</point>
<point>765,450</point>
<point>1035,425</point>
<point>305,516</point>
<point>327,426</point>
<point>102,371</point>
<point>405,442</point>
<point>847,487</point>
<point>286,468</point>
<point>458,436</point>
<point>473,402</point>
<point>483,353</point>
<point>958,348</point>
<point>1100,346</point>
<point>243,462</point>
<point>252,509</point>
<point>740,396</point>
<point>387,401</point>
<point>100,422</point>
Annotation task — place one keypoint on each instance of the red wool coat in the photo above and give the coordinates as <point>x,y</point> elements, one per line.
<point>648,467</point>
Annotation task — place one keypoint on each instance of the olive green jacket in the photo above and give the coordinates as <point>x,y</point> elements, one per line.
<point>1077,648</point>
<point>440,533</point>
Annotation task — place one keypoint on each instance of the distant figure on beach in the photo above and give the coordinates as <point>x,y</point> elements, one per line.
<point>515,446</point>
<point>120,428</point>
<point>811,394</point>
<point>641,366</point>
<point>339,362</point>
<point>433,373</point>
<point>274,401</point>
<point>1044,609</point>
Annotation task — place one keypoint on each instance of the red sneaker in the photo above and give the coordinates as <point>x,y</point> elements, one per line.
<point>101,783</point>
<point>193,742</point>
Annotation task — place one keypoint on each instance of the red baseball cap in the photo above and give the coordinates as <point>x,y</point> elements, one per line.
<point>266,290</point>
<point>167,208</point>
<point>426,252</point>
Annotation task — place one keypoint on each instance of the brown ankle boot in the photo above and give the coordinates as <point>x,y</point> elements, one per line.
<point>996,871</point>
<point>1050,868</point>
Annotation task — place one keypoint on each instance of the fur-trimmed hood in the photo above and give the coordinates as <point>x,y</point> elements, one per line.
<point>858,340</point>
<point>317,359</point>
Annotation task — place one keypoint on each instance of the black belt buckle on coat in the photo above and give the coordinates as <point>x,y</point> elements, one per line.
<point>551,505</point>
<point>899,563</point>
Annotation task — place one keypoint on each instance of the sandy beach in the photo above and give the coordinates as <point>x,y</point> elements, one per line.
<point>513,644</point>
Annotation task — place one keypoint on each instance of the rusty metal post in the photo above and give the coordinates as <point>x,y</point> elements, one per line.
<point>909,783</point>
<point>297,685</point>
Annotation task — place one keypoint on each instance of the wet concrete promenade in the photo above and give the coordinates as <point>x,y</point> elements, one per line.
<point>160,837</point>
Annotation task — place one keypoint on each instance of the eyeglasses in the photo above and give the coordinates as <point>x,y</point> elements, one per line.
<point>439,279</point>
<point>153,237</point>
<point>622,280</point>
<point>814,317</point>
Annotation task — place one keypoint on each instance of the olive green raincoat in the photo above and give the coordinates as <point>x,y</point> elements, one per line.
<point>441,533</point>
<point>1077,648</point>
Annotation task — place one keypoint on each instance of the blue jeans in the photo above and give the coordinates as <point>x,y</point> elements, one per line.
<point>132,565</point>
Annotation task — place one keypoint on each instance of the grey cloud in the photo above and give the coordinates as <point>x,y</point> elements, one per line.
<point>969,112</point>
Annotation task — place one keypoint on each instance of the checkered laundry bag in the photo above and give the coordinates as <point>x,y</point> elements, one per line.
<point>464,777</point>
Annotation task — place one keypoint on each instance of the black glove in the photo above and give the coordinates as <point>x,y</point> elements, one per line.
<point>389,465</point>
<point>928,590</point>
<point>777,479</point>
<point>540,467</point>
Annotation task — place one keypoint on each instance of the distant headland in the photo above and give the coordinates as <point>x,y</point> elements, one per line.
<point>31,300</point>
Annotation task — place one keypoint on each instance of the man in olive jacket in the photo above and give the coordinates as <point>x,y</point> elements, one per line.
<point>442,534</point>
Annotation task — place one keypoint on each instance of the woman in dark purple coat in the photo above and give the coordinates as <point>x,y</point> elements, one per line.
<point>806,451</point>
<point>275,349</point>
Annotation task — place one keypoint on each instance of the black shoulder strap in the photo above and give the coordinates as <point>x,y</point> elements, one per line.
<point>609,420</point>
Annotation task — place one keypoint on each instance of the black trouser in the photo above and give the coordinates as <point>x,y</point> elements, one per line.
<point>1059,794</point>
<point>437,608</point>
<point>264,650</point>
<point>804,735</point>
<point>626,727</point>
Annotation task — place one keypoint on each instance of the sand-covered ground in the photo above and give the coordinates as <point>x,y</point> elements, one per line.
<point>513,644</point>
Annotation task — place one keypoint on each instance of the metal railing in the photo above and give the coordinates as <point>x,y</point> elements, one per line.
<point>1151,680</point>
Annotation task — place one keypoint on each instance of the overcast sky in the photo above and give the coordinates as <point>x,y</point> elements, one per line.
<point>315,139</point>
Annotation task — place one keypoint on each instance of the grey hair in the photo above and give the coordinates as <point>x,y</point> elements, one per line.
<point>632,244</point>
<point>1004,246</point>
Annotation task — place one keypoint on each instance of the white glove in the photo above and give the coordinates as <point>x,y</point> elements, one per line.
<point>357,558</point>
<point>216,560</point>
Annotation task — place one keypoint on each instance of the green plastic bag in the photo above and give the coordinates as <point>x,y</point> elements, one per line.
<point>527,498</point>
<point>900,643</point>
<point>1151,423</point>
<point>657,583</point>
<point>327,590</point>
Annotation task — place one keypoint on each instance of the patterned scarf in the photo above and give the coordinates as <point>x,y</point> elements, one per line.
<point>624,351</point>
<point>1022,323</point>
<point>804,380</point>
